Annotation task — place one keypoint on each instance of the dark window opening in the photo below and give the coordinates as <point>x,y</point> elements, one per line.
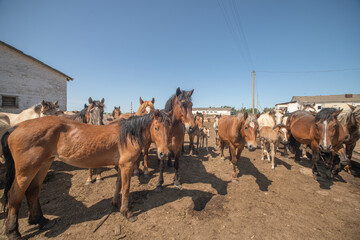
<point>319,107</point>
<point>9,102</point>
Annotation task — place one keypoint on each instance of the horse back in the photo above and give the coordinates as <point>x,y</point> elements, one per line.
<point>301,126</point>
<point>228,129</point>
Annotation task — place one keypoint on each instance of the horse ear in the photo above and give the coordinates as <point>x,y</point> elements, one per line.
<point>153,100</point>
<point>157,113</point>
<point>257,115</point>
<point>141,101</point>
<point>178,91</point>
<point>336,113</point>
<point>56,102</point>
<point>245,115</point>
<point>313,113</point>
<point>102,100</point>
<point>351,107</point>
<point>190,93</point>
<point>170,112</point>
<point>90,100</point>
<point>43,102</point>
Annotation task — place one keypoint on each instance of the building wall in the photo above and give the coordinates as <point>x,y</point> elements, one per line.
<point>30,81</point>
<point>212,112</point>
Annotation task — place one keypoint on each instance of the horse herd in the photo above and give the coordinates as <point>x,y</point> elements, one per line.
<point>87,139</point>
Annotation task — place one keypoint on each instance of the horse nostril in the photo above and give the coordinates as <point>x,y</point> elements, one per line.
<point>330,147</point>
<point>162,154</point>
<point>321,146</point>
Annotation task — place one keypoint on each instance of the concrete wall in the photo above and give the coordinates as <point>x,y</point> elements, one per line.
<point>30,81</point>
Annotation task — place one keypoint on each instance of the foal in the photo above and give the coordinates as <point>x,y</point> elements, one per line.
<point>198,132</point>
<point>270,139</point>
<point>31,147</point>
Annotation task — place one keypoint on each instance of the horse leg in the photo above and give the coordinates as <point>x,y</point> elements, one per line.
<point>191,144</point>
<point>146,156</point>
<point>273,149</point>
<point>177,183</point>
<point>262,148</point>
<point>161,177</point>
<point>99,179</point>
<point>197,143</point>
<point>286,154</point>
<point>349,151</point>
<point>233,157</point>
<point>116,199</point>
<point>222,145</point>
<point>207,149</point>
<point>315,158</point>
<point>89,180</point>
<point>126,172</point>
<point>15,196</point>
<point>32,195</point>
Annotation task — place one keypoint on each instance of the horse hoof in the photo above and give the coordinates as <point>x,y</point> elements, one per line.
<point>158,189</point>
<point>99,180</point>
<point>319,178</point>
<point>222,158</point>
<point>177,184</point>
<point>234,180</point>
<point>88,182</point>
<point>46,224</point>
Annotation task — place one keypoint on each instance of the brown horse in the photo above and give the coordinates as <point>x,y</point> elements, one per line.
<point>145,108</point>
<point>350,119</point>
<point>180,108</point>
<point>199,126</point>
<point>116,112</point>
<point>31,147</point>
<point>321,132</point>
<point>238,131</point>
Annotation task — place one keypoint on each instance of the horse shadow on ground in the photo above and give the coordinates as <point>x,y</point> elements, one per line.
<point>324,181</point>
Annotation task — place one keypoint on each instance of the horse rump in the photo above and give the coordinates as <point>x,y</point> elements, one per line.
<point>9,166</point>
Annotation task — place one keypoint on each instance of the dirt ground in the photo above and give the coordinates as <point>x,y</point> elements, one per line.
<point>285,203</point>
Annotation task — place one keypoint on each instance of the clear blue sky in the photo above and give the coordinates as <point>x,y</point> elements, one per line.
<point>121,50</point>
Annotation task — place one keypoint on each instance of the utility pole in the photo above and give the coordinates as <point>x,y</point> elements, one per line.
<point>131,108</point>
<point>253,110</point>
<point>257,102</point>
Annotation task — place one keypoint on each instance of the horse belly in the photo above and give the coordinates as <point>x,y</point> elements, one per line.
<point>94,161</point>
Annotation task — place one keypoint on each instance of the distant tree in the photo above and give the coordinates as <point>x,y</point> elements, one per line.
<point>268,109</point>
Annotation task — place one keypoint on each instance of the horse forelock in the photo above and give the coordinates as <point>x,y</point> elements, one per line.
<point>251,118</point>
<point>326,114</point>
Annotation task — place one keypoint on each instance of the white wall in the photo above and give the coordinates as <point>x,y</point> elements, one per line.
<point>30,81</point>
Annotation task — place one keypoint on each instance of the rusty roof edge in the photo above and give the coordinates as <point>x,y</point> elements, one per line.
<point>36,60</point>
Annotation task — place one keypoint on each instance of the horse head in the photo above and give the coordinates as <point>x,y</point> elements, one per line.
<point>159,131</point>
<point>116,112</point>
<point>47,108</point>
<point>282,133</point>
<point>182,109</point>
<point>95,111</point>
<point>249,129</point>
<point>354,118</point>
<point>279,115</point>
<point>326,129</point>
<point>146,107</point>
<point>199,120</point>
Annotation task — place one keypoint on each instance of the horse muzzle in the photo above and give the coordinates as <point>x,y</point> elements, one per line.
<point>251,147</point>
<point>325,149</point>
<point>162,155</point>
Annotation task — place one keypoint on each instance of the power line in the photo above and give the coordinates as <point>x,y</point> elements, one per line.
<point>313,71</point>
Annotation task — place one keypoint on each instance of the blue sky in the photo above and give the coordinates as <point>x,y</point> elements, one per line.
<point>121,50</point>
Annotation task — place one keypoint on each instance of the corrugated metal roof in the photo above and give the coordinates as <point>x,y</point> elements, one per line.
<point>327,98</point>
<point>36,60</point>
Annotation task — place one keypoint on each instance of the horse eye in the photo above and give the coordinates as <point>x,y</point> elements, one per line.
<point>156,129</point>
<point>246,128</point>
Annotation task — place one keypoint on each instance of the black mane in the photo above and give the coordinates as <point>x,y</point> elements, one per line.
<point>326,114</point>
<point>183,96</point>
<point>135,125</point>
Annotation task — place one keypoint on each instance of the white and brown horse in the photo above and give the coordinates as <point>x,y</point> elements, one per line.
<point>30,149</point>
<point>44,108</point>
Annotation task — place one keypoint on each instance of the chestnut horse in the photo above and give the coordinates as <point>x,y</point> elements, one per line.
<point>180,108</point>
<point>31,147</point>
<point>322,132</point>
<point>199,127</point>
<point>238,131</point>
<point>145,108</point>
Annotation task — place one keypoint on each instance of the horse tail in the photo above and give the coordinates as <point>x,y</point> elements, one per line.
<point>9,165</point>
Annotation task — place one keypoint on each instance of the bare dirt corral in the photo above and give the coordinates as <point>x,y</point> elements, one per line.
<point>285,203</point>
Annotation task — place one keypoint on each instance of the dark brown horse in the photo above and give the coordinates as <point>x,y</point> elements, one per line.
<point>350,119</point>
<point>323,133</point>
<point>238,131</point>
<point>31,147</point>
<point>180,108</point>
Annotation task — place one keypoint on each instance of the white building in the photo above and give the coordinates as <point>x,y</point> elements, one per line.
<point>320,102</point>
<point>26,81</point>
<point>213,111</point>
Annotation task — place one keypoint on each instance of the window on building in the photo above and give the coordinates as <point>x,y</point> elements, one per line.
<point>9,102</point>
<point>319,107</point>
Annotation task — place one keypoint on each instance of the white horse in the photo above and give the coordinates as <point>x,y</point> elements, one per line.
<point>216,129</point>
<point>39,110</point>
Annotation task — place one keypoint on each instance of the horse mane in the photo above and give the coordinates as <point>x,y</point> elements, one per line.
<point>135,125</point>
<point>80,116</point>
<point>345,117</point>
<point>251,118</point>
<point>325,114</point>
<point>182,96</point>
